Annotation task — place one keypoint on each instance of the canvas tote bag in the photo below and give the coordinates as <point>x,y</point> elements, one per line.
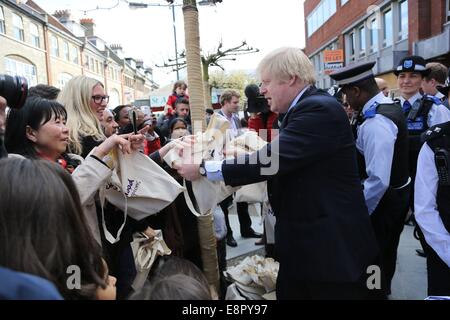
<point>139,187</point>
<point>247,143</point>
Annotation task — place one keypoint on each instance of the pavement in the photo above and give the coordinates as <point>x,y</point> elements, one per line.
<point>246,246</point>
<point>410,279</point>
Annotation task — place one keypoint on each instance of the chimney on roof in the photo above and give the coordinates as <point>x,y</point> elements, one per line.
<point>62,15</point>
<point>116,46</point>
<point>117,49</point>
<point>139,63</point>
<point>89,24</point>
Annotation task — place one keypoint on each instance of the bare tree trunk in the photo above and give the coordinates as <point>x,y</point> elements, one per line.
<point>206,86</point>
<point>197,106</point>
<point>194,67</point>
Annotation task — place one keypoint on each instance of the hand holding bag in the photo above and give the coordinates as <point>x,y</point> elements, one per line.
<point>139,187</point>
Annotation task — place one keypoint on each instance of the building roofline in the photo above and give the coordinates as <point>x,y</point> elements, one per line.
<point>27,10</point>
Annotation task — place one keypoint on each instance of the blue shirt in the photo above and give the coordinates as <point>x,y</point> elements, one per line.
<point>438,113</point>
<point>376,141</point>
<point>22,286</point>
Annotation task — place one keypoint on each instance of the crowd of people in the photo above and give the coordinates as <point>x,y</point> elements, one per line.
<point>351,169</point>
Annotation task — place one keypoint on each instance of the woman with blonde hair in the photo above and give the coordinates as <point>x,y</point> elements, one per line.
<point>84,99</point>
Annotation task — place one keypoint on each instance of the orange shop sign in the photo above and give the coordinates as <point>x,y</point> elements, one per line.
<point>333,60</point>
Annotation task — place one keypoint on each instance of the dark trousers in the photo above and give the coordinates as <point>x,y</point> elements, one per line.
<point>438,274</point>
<point>388,221</point>
<point>244,217</point>
<point>290,289</point>
<point>222,263</point>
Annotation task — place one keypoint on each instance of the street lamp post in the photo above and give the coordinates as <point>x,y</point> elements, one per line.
<point>175,40</point>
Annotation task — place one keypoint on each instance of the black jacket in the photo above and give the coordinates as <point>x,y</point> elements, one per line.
<point>323,231</point>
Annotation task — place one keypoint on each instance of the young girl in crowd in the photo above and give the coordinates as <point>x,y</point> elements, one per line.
<point>179,91</point>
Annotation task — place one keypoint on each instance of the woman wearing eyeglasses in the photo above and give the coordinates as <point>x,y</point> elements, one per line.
<point>85,100</point>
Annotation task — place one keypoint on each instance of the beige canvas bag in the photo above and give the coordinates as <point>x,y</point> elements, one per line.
<point>139,187</point>
<point>145,252</point>
<point>247,143</point>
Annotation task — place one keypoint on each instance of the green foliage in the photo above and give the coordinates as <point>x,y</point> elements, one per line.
<point>237,80</point>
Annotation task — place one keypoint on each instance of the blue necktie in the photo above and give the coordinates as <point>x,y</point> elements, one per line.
<point>406,106</point>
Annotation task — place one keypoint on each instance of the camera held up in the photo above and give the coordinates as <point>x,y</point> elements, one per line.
<point>255,101</point>
<point>14,89</point>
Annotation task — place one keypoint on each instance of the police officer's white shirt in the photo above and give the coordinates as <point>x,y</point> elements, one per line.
<point>376,141</point>
<point>439,95</point>
<point>425,205</point>
<point>438,114</point>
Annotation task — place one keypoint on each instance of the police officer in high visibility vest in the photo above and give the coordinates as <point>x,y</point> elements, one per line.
<point>432,206</point>
<point>422,112</point>
<point>382,141</point>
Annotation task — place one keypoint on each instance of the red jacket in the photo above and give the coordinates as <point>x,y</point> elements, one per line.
<point>152,146</point>
<point>172,98</point>
<point>257,123</point>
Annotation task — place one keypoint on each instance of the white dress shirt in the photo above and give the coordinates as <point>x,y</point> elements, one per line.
<point>376,141</point>
<point>425,205</point>
<point>438,113</point>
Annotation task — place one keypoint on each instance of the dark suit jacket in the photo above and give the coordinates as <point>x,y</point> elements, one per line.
<point>323,231</point>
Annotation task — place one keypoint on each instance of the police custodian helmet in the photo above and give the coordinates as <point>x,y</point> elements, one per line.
<point>412,64</point>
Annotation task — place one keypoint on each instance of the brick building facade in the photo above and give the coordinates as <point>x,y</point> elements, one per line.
<point>384,31</point>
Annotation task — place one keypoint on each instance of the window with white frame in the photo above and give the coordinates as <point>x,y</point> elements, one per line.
<point>403,20</point>
<point>34,33</point>
<point>91,64</point>
<point>114,97</point>
<point>65,50</point>
<point>54,46</point>
<point>74,54</point>
<point>63,78</point>
<point>374,35</point>
<point>17,27</point>
<point>324,10</point>
<point>448,10</point>
<point>362,41</point>
<point>2,21</point>
<point>387,28</point>
<point>15,67</point>
<point>351,45</point>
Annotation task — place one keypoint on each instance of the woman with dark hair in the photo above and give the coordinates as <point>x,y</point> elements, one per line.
<point>38,131</point>
<point>175,278</point>
<point>121,115</point>
<point>43,231</point>
<point>178,128</point>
